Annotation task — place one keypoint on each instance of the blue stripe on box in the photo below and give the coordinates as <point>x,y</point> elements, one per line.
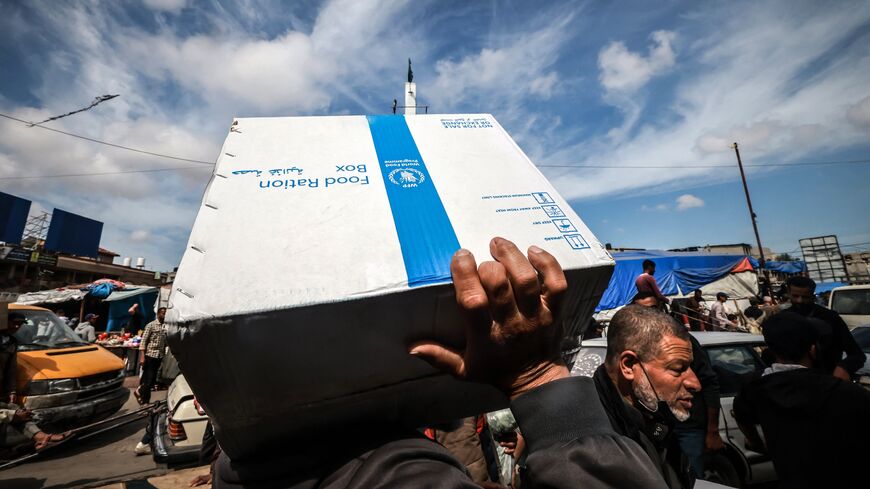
<point>426,236</point>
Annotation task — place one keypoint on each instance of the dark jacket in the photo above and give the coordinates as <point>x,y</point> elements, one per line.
<point>708,396</point>
<point>652,434</point>
<point>8,365</point>
<point>568,437</point>
<point>834,341</point>
<point>816,427</point>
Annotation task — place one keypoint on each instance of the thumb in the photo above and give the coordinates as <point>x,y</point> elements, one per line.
<point>440,357</point>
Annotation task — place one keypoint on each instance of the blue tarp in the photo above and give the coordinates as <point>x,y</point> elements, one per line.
<point>786,266</point>
<point>118,315</point>
<point>823,287</point>
<point>676,272</point>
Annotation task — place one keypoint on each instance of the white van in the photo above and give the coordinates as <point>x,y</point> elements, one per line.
<point>852,302</point>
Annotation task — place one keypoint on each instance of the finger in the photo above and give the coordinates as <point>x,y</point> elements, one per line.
<point>499,293</point>
<point>553,278</point>
<point>470,295</point>
<point>522,275</point>
<point>443,359</point>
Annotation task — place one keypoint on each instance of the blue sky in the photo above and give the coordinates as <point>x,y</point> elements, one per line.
<point>597,84</point>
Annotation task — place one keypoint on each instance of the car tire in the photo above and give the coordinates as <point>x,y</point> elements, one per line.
<point>721,470</point>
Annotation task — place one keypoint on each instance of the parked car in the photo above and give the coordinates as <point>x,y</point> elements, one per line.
<point>65,381</point>
<point>179,430</point>
<point>852,302</point>
<point>862,337</point>
<point>736,359</point>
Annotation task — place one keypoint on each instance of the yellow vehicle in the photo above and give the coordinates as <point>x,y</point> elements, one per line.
<point>64,380</point>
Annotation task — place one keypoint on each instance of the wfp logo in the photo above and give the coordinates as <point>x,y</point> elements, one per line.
<point>407,177</point>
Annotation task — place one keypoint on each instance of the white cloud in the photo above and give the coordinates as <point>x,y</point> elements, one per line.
<point>655,208</point>
<point>859,113</point>
<point>625,71</point>
<point>523,67</point>
<point>688,201</point>
<point>140,236</point>
<point>749,82</point>
<point>165,5</point>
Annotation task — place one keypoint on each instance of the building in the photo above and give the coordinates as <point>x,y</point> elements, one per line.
<point>731,249</point>
<point>858,267</point>
<point>27,268</point>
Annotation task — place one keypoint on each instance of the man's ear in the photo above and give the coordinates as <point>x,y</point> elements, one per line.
<point>813,352</point>
<point>627,360</point>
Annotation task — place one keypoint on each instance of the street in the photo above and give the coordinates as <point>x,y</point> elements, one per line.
<point>104,459</point>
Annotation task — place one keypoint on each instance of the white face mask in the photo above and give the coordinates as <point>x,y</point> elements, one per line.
<point>647,396</point>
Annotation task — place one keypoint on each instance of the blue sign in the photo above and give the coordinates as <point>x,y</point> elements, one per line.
<point>13,217</point>
<point>74,234</point>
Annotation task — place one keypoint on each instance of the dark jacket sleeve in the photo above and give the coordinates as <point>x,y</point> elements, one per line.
<point>9,374</point>
<point>742,407</point>
<point>854,358</point>
<point>571,443</point>
<point>703,369</point>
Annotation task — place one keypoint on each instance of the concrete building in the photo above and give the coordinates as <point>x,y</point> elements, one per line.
<point>23,269</point>
<point>858,267</point>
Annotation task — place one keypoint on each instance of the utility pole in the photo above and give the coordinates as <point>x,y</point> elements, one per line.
<point>752,216</point>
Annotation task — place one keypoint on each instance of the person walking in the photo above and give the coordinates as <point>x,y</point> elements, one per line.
<point>86,330</point>
<point>151,352</point>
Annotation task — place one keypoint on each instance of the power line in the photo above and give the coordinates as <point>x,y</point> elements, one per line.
<point>120,172</point>
<point>639,167</point>
<point>119,146</point>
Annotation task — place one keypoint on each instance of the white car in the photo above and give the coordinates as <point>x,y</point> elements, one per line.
<point>736,359</point>
<point>852,302</point>
<point>179,430</point>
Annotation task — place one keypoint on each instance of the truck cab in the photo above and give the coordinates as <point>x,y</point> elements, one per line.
<point>852,303</point>
<point>65,381</point>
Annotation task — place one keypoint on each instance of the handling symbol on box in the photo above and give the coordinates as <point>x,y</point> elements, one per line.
<point>553,210</point>
<point>564,226</point>
<point>543,197</point>
<point>576,242</point>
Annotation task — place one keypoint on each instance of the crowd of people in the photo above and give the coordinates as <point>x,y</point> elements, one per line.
<point>646,418</point>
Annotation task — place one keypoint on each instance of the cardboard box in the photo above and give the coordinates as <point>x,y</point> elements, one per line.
<point>322,251</point>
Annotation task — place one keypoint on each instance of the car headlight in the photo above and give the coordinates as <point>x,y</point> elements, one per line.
<point>42,387</point>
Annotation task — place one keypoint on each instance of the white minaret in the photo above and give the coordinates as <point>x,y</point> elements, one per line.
<point>410,93</point>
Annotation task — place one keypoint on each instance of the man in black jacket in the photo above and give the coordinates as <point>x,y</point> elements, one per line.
<point>815,425</point>
<point>512,342</point>
<point>646,385</point>
<point>838,353</point>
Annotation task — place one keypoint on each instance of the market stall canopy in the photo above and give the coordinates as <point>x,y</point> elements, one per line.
<point>120,302</point>
<point>786,266</point>
<point>677,273</point>
<point>53,296</point>
<point>823,287</point>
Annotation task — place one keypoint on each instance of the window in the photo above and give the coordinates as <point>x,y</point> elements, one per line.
<point>736,366</point>
<point>43,330</point>
<point>855,301</point>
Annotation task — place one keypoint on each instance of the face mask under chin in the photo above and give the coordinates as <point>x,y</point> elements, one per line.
<point>647,399</point>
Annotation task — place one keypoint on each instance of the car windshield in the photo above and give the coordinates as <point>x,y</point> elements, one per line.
<point>735,365</point>
<point>44,330</point>
<point>854,301</point>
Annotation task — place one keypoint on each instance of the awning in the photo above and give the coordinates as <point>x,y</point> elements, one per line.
<point>53,296</point>
<point>786,266</point>
<point>128,292</point>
